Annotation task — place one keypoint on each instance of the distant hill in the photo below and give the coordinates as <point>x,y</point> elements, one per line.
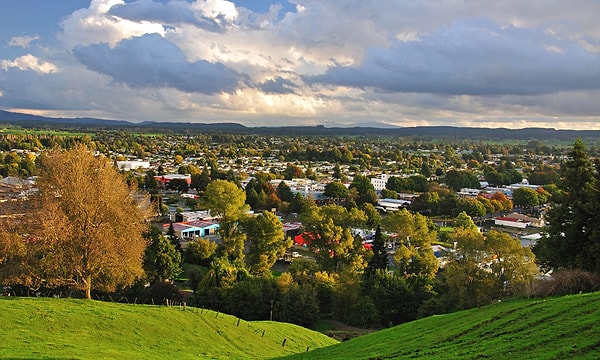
<point>34,328</point>
<point>423,132</point>
<point>554,328</point>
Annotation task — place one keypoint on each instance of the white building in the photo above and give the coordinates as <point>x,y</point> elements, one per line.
<point>133,165</point>
<point>380,182</point>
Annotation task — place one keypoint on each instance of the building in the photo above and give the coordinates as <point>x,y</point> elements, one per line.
<point>392,204</point>
<point>165,179</point>
<point>193,215</point>
<point>133,165</point>
<point>511,222</point>
<point>193,229</point>
<point>380,182</point>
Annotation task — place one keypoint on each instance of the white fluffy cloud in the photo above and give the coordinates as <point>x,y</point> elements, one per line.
<point>403,62</point>
<point>29,62</point>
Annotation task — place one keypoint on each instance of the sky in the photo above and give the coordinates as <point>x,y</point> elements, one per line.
<point>466,63</point>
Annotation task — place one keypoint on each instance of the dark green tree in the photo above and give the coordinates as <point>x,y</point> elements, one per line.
<point>336,190</point>
<point>200,181</point>
<point>572,238</point>
<point>162,261</point>
<point>180,185</point>
<point>284,192</point>
<point>380,257</point>
<point>525,197</point>
<point>458,179</point>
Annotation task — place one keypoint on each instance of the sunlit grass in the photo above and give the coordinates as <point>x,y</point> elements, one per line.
<point>554,328</point>
<point>87,329</point>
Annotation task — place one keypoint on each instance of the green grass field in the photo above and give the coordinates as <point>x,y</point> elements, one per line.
<point>36,328</point>
<point>555,328</point>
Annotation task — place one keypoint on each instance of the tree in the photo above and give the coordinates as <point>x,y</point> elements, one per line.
<point>162,261</point>
<point>379,260</point>
<point>373,216</point>
<point>180,185</point>
<point>267,244</point>
<point>336,190</point>
<point>328,230</point>
<point>414,256</point>
<point>284,192</point>
<point>200,251</point>
<point>200,181</point>
<point>572,238</point>
<point>89,227</point>
<point>525,197</point>
<point>487,268</point>
<point>362,184</point>
<point>226,201</point>
<point>463,220</point>
<point>458,179</point>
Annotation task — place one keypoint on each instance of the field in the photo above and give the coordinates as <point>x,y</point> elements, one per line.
<point>79,329</point>
<point>555,328</point>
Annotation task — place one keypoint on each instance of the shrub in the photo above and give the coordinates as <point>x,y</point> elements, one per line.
<point>566,282</point>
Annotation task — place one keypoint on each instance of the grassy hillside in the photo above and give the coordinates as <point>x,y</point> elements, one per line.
<point>83,329</point>
<point>556,328</point>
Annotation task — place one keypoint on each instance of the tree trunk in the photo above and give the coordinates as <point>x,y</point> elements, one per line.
<point>88,287</point>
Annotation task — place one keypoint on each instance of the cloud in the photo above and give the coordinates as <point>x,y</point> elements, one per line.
<point>152,61</point>
<point>23,41</point>
<point>278,85</point>
<point>172,13</point>
<point>29,62</point>
<point>96,25</point>
<point>473,57</point>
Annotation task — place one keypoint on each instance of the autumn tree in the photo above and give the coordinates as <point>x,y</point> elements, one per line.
<point>89,224</point>
<point>267,244</point>
<point>226,201</point>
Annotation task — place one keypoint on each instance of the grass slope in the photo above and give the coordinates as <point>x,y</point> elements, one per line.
<point>555,328</point>
<point>86,329</point>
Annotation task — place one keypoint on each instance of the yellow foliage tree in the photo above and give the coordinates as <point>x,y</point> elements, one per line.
<point>88,224</point>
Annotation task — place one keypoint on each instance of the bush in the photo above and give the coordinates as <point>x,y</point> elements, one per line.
<point>566,282</point>
<point>162,290</point>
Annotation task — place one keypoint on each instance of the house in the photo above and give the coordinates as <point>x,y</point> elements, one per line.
<point>511,222</point>
<point>535,222</point>
<point>194,228</point>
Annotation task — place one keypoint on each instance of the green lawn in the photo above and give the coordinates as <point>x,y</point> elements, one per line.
<point>87,329</point>
<point>554,328</point>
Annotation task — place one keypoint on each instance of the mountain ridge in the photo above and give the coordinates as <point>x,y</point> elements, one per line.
<point>439,131</point>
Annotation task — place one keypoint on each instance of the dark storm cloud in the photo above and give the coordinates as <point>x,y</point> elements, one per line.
<point>474,57</point>
<point>278,85</point>
<point>151,60</point>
